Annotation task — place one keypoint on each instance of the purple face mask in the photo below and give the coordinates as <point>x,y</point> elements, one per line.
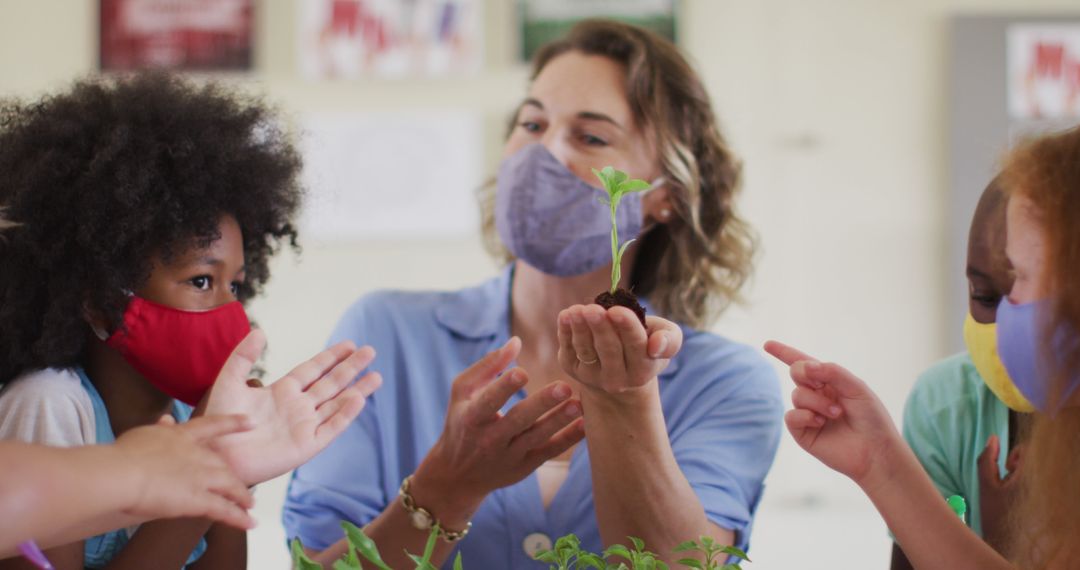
<point>1021,339</point>
<point>552,220</point>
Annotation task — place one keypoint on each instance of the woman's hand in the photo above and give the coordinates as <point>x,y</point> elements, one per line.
<point>481,449</point>
<point>170,471</point>
<point>837,418</point>
<point>293,418</point>
<point>608,351</point>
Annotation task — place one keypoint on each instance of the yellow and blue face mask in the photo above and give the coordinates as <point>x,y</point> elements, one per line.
<point>981,341</point>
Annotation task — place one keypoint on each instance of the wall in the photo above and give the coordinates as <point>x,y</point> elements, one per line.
<point>839,108</point>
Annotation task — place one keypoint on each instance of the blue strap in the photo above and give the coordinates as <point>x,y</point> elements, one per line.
<point>99,550</point>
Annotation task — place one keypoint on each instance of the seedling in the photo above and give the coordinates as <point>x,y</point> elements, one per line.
<point>713,552</point>
<point>360,545</point>
<point>618,184</point>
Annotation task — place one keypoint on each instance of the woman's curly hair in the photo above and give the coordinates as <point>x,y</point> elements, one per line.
<point>97,181</point>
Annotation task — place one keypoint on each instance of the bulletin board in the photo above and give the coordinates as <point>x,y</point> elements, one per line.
<point>1011,76</point>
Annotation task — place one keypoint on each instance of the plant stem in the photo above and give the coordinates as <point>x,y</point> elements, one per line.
<point>614,247</point>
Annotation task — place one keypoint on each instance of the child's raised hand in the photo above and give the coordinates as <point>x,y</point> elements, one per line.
<point>294,418</point>
<point>174,473</point>
<point>836,417</point>
<point>609,351</point>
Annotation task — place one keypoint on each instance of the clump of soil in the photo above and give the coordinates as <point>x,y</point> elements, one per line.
<point>623,298</point>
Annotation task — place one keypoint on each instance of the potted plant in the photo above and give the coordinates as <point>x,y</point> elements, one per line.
<point>618,184</point>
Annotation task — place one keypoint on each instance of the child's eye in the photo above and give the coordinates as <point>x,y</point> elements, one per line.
<point>989,301</point>
<point>202,282</point>
<point>234,288</point>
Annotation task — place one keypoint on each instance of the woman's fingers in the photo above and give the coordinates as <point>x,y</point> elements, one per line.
<point>664,338</point>
<point>485,406</point>
<point>807,399</point>
<point>525,413</point>
<point>547,426</point>
<point>557,445</point>
<point>606,341</point>
<point>830,375</point>
<point>567,356</point>
<point>581,339</point>
<point>341,375</point>
<point>487,369</point>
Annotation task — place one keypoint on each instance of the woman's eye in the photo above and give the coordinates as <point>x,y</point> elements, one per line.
<point>531,126</point>
<point>593,140</point>
<point>202,282</point>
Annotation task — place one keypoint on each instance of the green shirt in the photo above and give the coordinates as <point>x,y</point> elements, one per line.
<point>947,419</point>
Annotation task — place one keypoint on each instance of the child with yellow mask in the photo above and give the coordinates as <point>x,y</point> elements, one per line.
<point>964,407</point>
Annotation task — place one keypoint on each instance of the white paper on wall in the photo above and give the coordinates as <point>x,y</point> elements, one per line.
<point>391,175</point>
<point>1044,71</point>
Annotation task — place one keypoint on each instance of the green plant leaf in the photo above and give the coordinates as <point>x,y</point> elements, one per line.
<point>687,546</point>
<point>735,566</point>
<point>639,545</point>
<point>429,548</point>
<point>589,560</point>
<point>457,561</point>
<point>735,552</point>
<point>364,545</point>
<point>691,563</point>
<point>617,550</point>
<point>300,558</point>
<point>344,564</point>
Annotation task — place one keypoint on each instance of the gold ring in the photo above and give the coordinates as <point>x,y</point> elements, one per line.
<point>587,362</point>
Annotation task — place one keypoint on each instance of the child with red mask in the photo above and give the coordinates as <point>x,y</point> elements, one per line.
<point>142,213</point>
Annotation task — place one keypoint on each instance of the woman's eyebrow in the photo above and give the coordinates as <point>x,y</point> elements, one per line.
<point>594,116</point>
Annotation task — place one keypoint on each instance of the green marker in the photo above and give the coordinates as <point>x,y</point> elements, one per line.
<point>958,505</point>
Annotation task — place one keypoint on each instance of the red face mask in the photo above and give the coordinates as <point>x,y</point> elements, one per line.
<point>179,352</point>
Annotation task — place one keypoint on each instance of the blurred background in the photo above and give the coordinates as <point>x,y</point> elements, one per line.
<point>868,128</point>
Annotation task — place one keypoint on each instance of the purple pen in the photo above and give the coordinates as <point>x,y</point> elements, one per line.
<point>31,552</point>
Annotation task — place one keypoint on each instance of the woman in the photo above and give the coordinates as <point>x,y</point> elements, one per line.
<point>677,447</point>
<point>840,421</point>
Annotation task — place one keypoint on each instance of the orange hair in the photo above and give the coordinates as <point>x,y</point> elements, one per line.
<point>1046,171</point>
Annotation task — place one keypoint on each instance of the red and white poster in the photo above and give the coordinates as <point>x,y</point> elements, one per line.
<point>389,38</point>
<point>192,35</point>
<point>1044,71</point>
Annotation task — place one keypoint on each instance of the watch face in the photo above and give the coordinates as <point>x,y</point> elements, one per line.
<point>420,519</point>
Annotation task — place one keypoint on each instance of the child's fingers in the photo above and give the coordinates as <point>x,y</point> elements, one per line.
<point>987,462</point>
<point>807,399</point>
<point>787,354</point>
<point>307,372</point>
<point>221,509</point>
<point>846,384</point>
<point>363,388</point>
<point>341,376</point>
<point>208,428</point>
<point>799,420</point>
<point>237,367</point>
<point>343,410</point>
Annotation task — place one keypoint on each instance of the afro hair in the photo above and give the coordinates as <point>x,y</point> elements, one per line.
<point>97,181</point>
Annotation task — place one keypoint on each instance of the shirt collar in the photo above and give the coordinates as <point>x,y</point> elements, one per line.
<point>483,311</point>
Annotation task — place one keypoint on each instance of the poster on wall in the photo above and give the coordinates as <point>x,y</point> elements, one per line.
<point>1044,71</point>
<point>546,20</point>
<point>391,175</point>
<point>389,38</point>
<point>186,35</point>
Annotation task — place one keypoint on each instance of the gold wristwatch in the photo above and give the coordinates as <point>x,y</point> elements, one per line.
<point>422,519</point>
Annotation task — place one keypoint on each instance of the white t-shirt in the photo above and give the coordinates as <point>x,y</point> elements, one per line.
<point>48,407</point>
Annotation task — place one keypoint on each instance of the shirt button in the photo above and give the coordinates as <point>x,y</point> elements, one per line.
<point>535,543</point>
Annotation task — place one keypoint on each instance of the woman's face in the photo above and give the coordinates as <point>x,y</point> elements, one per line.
<point>201,278</point>
<point>577,107</point>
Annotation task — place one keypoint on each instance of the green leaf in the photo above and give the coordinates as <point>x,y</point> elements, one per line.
<point>457,561</point>
<point>589,560</point>
<point>735,566</point>
<point>345,564</point>
<point>686,546</point>
<point>639,545</point>
<point>735,552</point>
<point>300,558</point>
<point>429,548</point>
<point>691,563</point>
<point>364,545</point>
<point>617,550</point>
